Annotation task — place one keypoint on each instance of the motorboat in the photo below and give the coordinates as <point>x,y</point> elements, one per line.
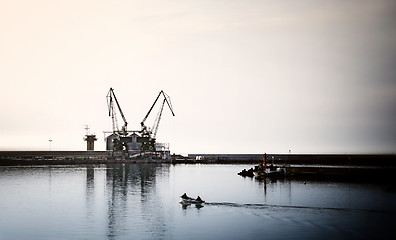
<point>184,199</point>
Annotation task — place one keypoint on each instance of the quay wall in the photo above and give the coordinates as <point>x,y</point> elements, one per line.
<point>378,160</point>
<point>312,165</point>
<point>9,158</point>
<point>29,154</point>
<point>77,157</point>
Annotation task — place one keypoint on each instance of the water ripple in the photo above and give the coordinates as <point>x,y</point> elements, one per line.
<point>266,206</point>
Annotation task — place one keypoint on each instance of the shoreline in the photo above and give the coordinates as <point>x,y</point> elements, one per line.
<point>312,165</point>
<point>82,157</point>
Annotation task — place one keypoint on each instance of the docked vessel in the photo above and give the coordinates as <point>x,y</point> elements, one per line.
<point>271,171</point>
<point>275,172</point>
<point>262,171</point>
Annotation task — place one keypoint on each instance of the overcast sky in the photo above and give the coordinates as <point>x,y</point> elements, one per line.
<point>243,76</point>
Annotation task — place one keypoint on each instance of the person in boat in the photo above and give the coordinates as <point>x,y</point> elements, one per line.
<point>184,196</point>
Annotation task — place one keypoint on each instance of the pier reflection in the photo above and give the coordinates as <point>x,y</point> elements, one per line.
<point>90,183</point>
<point>271,185</point>
<point>90,192</point>
<point>130,190</point>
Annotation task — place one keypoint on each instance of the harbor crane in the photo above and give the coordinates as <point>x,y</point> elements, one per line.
<point>120,137</point>
<point>148,136</point>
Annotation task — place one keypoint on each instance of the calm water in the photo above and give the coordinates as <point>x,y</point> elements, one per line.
<point>140,201</point>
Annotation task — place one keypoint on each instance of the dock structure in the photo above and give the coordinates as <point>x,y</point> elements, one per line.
<point>380,160</point>
<point>352,160</point>
<point>352,166</point>
<point>52,155</point>
<point>90,139</point>
<point>317,165</point>
<point>13,158</point>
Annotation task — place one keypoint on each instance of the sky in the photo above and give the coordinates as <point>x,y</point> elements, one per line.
<point>244,76</point>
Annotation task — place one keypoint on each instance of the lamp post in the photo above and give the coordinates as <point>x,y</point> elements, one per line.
<point>50,141</point>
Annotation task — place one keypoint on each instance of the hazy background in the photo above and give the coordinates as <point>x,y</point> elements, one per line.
<point>243,76</point>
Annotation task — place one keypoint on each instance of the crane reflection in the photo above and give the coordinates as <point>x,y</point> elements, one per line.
<point>131,198</point>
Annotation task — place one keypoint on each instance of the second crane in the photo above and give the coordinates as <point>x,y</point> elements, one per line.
<point>148,136</point>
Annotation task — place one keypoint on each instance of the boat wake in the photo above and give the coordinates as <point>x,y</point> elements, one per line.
<point>271,206</point>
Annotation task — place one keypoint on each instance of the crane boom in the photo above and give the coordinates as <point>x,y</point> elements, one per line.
<point>119,108</point>
<point>147,137</point>
<point>152,106</point>
<point>148,113</point>
<point>157,120</point>
<point>120,138</point>
<point>167,99</point>
<point>110,96</point>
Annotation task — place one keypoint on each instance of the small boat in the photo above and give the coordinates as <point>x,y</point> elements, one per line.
<point>261,171</point>
<point>278,172</point>
<point>184,199</point>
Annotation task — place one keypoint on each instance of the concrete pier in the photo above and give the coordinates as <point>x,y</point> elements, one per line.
<point>295,164</point>
<point>379,160</point>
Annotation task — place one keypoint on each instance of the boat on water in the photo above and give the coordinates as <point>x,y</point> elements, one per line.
<point>184,199</point>
<point>262,171</point>
<point>269,172</point>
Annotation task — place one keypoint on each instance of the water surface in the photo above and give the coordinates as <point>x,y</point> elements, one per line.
<point>140,201</point>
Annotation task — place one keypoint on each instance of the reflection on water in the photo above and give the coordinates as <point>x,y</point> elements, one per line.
<point>140,201</point>
<point>130,190</point>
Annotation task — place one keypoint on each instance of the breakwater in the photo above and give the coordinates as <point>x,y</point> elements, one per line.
<point>379,160</point>
<point>358,160</point>
<point>352,165</point>
<point>12,158</point>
